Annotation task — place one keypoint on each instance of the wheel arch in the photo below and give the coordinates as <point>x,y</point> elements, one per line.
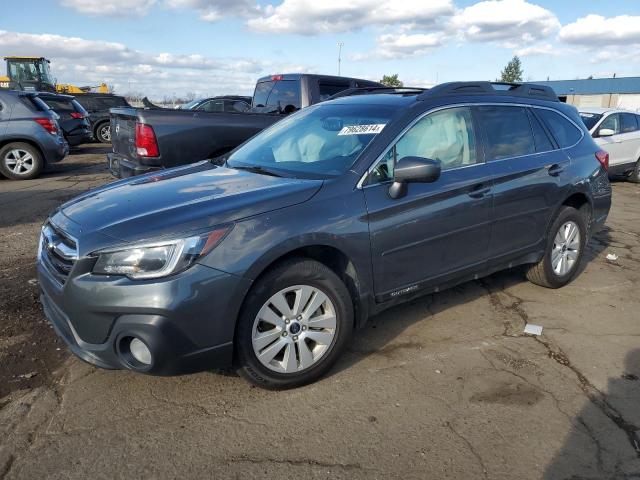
<point>330,255</point>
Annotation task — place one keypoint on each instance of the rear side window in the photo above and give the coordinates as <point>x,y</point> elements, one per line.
<point>541,140</point>
<point>565,132</point>
<point>113,102</point>
<point>59,105</point>
<point>330,88</point>
<point>629,123</point>
<point>508,131</point>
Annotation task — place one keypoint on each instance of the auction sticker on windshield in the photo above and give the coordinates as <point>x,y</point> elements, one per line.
<point>362,129</point>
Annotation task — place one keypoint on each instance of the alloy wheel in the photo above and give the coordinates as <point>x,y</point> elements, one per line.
<point>294,329</point>
<point>19,161</point>
<point>105,133</point>
<point>566,248</point>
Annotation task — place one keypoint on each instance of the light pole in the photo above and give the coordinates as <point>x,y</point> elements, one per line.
<point>340,45</point>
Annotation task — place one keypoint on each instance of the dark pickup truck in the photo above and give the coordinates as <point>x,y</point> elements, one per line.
<point>151,139</point>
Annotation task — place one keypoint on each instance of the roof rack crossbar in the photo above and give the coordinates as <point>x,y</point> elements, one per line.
<point>364,90</point>
<point>527,90</point>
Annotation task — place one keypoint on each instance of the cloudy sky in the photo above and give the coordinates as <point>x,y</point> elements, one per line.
<point>170,47</point>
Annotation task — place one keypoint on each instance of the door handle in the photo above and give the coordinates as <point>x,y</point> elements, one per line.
<point>479,191</point>
<point>555,170</point>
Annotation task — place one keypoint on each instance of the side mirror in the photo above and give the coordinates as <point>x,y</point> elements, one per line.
<point>413,170</point>
<point>606,132</point>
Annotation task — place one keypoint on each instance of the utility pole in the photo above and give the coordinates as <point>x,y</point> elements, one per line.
<point>340,45</point>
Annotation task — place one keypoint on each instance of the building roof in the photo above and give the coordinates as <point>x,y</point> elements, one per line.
<point>595,86</point>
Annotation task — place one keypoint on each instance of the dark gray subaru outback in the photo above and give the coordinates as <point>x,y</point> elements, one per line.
<point>269,261</point>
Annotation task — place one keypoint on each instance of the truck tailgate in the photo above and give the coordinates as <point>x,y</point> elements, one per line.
<point>123,131</point>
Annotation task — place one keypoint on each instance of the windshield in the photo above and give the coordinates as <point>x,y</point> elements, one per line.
<point>317,142</point>
<point>190,105</point>
<point>590,119</point>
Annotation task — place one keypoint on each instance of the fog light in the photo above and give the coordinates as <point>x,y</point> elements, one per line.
<point>140,351</point>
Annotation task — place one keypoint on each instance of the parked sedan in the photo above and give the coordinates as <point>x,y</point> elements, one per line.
<point>219,104</point>
<point>74,119</point>
<point>618,133</point>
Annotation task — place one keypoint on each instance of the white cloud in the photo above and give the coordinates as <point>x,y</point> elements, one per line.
<point>214,10</point>
<point>308,17</point>
<point>509,22</point>
<point>596,30</point>
<point>392,46</point>
<point>90,62</point>
<point>111,8</point>
<point>541,49</point>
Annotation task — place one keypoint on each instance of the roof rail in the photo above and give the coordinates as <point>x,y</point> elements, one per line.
<point>365,90</point>
<point>526,90</point>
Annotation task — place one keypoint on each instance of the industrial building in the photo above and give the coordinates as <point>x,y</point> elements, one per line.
<point>617,92</point>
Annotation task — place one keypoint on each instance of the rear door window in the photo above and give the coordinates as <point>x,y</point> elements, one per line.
<point>565,132</point>
<point>508,131</point>
<point>628,123</point>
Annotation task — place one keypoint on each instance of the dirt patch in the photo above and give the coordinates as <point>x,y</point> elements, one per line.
<point>509,394</point>
<point>30,351</point>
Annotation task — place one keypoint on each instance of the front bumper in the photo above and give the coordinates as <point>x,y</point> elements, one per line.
<point>187,321</point>
<point>120,167</point>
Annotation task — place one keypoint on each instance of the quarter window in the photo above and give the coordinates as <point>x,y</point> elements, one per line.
<point>508,131</point>
<point>543,144</point>
<point>565,133</point>
<point>447,136</point>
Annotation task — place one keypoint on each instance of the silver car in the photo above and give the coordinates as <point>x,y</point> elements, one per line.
<point>618,133</point>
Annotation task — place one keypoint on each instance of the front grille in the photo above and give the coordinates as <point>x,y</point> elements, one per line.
<point>58,252</point>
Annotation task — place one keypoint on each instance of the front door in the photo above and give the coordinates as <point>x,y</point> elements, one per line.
<point>438,231</point>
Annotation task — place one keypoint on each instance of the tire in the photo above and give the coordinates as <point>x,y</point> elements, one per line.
<point>543,273</point>
<point>102,132</point>
<point>20,161</point>
<point>634,176</point>
<point>263,330</point>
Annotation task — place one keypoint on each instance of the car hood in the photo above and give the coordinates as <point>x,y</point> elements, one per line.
<point>182,200</point>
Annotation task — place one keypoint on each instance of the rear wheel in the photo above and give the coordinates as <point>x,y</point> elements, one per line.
<point>565,247</point>
<point>295,324</point>
<point>634,176</point>
<point>103,132</point>
<point>20,161</point>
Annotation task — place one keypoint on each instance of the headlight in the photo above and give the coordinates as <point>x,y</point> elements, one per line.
<point>153,260</point>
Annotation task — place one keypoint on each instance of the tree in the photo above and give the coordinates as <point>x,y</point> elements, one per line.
<point>391,81</point>
<point>513,71</point>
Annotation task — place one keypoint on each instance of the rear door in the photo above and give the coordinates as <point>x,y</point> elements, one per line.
<point>438,231</point>
<point>527,170</point>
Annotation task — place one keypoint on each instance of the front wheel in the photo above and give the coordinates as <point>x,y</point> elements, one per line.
<point>294,325</point>
<point>565,247</point>
<point>103,133</point>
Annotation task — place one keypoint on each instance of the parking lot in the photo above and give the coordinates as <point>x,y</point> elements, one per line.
<point>447,386</point>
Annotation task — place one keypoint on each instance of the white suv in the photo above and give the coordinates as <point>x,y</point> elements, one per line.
<point>618,133</point>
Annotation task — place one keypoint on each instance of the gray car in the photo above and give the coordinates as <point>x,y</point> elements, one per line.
<point>30,136</point>
<point>270,261</point>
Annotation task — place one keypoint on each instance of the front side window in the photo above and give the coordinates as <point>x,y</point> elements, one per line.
<point>508,131</point>
<point>447,136</point>
<point>565,132</point>
<point>317,142</point>
<point>612,122</point>
<point>628,123</point>
<point>330,88</point>
<point>212,106</point>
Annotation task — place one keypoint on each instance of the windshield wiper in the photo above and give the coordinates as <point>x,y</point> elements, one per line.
<point>256,169</point>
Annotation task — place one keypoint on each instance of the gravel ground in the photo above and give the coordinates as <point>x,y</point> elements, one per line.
<point>447,386</point>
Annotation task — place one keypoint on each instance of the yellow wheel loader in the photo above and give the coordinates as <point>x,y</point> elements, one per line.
<point>33,74</point>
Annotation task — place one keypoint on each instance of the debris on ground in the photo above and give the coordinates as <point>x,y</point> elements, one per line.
<point>612,257</point>
<point>532,329</point>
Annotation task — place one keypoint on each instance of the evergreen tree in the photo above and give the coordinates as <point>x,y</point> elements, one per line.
<point>513,71</point>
